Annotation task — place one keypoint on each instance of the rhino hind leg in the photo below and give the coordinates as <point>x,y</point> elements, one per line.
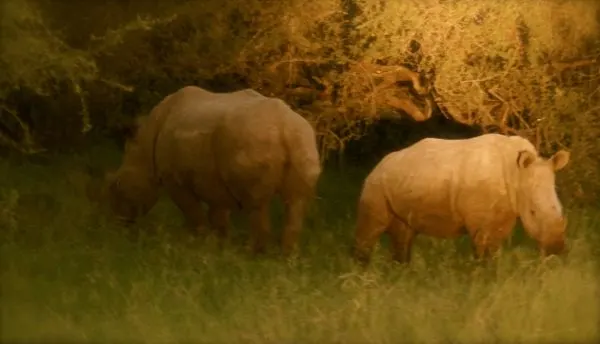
<point>190,206</point>
<point>374,217</point>
<point>294,221</point>
<point>260,224</point>
<point>252,183</point>
<point>369,229</point>
<point>219,220</point>
<point>402,238</point>
<point>296,191</point>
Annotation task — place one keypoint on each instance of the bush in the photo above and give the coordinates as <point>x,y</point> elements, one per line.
<point>34,58</point>
<point>527,68</point>
<point>516,67</point>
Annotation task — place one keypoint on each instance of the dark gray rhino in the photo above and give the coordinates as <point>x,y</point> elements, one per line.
<point>447,188</point>
<point>229,150</point>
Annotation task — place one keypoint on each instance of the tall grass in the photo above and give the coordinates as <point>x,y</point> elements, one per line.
<point>71,275</point>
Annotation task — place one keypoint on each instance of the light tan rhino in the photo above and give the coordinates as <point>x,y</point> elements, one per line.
<point>229,150</point>
<point>447,188</point>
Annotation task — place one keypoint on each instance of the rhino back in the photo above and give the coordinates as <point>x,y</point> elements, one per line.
<point>264,147</point>
<point>232,144</point>
<point>185,143</point>
<point>185,127</point>
<point>436,183</point>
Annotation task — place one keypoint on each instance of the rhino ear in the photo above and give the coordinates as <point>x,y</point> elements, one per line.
<point>525,158</point>
<point>560,159</point>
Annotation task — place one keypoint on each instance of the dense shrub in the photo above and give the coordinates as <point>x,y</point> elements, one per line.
<point>515,66</point>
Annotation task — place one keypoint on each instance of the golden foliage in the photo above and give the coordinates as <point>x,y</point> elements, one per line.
<point>526,67</point>
<point>33,57</point>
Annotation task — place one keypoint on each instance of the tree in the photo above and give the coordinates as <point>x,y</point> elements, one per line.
<point>523,67</point>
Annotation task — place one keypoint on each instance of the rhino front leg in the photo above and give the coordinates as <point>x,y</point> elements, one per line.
<point>481,244</point>
<point>190,206</point>
<point>294,220</point>
<point>486,245</point>
<point>219,220</point>
<point>488,240</point>
<point>402,238</point>
<point>260,225</point>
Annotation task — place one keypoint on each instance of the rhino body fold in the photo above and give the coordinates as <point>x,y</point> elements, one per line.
<point>447,188</point>
<point>229,150</point>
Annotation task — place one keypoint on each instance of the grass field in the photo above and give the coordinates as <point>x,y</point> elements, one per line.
<point>70,275</point>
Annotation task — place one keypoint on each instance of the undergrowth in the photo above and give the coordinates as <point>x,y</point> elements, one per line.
<point>69,274</point>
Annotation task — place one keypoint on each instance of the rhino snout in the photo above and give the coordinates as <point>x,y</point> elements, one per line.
<point>554,247</point>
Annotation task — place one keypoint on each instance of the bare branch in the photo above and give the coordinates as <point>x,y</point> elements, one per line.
<point>409,107</point>
<point>27,144</point>
<point>273,67</point>
<point>393,74</point>
<point>560,66</point>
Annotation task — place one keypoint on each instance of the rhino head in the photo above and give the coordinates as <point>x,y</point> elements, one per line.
<point>129,191</point>
<point>539,208</point>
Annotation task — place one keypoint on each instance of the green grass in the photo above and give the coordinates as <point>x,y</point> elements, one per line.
<point>71,275</point>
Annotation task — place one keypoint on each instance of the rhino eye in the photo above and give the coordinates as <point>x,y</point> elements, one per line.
<point>532,212</point>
